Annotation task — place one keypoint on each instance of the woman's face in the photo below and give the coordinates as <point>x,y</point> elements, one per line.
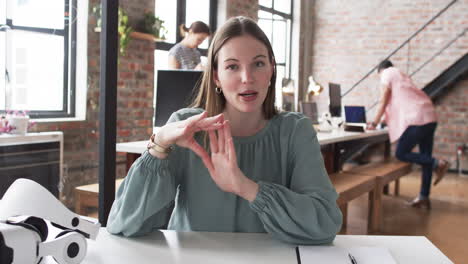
<point>244,73</point>
<point>197,38</point>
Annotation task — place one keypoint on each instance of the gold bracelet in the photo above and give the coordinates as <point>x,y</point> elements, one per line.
<point>156,147</point>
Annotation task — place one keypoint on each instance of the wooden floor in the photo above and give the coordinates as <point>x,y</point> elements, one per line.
<point>445,225</point>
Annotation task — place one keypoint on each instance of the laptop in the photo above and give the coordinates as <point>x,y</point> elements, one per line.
<point>355,118</point>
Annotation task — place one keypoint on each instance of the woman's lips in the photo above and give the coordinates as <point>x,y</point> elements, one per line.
<point>248,96</point>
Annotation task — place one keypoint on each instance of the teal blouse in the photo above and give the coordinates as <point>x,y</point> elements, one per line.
<point>296,202</point>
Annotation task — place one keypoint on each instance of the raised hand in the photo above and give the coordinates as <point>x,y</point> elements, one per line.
<point>223,166</point>
<point>182,133</point>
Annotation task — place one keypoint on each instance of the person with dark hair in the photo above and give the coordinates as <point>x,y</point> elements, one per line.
<point>232,162</point>
<point>185,55</point>
<point>384,65</point>
<point>411,119</point>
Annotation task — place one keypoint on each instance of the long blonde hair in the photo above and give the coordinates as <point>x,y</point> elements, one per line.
<point>215,103</point>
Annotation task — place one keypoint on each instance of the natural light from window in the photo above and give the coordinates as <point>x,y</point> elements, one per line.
<point>38,71</point>
<point>166,11</point>
<point>196,10</point>
<point>2,68</point>
<point>33,56</point>
<point>274,17</point>
<point>34,13</point>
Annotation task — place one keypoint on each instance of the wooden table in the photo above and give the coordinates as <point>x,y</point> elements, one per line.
<point>88,196</point>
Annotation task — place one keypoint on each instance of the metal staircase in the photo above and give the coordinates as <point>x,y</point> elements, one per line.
<point>447,78</point>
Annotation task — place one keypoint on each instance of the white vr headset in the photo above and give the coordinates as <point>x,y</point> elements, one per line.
<point>24,232</point>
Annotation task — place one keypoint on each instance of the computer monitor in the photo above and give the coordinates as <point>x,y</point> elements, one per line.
<point>355,114</point>
<point>335,99</point>
<point>175,89</point>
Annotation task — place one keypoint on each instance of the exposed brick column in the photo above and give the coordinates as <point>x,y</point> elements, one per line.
<point>134,107</point>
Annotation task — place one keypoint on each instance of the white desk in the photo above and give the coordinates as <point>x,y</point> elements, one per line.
<point>324,138</point>
<point>28,138</point>
<point>209,247</point>
<point>136,147</point>
<point>404,249</point>
<point>336,136</point>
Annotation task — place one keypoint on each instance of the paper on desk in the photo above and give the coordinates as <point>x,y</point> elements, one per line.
<point>339,255</point>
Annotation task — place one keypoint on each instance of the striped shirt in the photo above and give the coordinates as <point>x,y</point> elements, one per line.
<point>188,58</point>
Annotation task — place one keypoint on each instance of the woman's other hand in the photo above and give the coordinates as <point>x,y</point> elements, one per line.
<point>223,166</point>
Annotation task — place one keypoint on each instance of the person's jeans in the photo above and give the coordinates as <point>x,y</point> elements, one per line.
<point>423,136</point>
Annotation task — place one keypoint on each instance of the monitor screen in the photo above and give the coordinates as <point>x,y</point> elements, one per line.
<point>335,99</point>
<point>355,114</point>
<point>175,89</point>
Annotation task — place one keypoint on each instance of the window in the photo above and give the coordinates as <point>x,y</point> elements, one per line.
<point>275,19</point>
<point>175,13</point>
<point>37,48</point>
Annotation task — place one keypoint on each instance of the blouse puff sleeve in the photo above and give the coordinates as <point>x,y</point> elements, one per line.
<point>306,212</point>
<point>144,198</point>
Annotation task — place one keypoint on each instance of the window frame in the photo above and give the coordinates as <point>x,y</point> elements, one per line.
<point>69,63</point>
<point>287,63</point>
<point>180,19</point>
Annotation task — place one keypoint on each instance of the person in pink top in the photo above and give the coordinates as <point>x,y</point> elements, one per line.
<point>411,119</point>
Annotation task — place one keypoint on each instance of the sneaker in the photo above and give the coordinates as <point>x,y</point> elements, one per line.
<point>441,171</point>
<point>420,203</point>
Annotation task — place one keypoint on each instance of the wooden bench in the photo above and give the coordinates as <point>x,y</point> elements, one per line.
<point>349,187</point>
<point>87,196</point>
<point>384,173</point>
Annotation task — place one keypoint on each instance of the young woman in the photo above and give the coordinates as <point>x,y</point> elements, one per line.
<point>411,119</point>
<point>184,55</point>
<point>237,165</point>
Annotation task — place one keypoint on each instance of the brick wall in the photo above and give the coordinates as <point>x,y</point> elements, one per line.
<point>351,37</point>
<point>248,8</point>
<point>134,107</point>
<point>452,127</point>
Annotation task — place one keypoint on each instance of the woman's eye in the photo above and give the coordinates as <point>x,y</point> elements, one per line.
<point>232,67</point>
<point>259,63</point>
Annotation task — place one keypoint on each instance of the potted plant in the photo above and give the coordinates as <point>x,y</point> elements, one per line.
<point>153,25</point>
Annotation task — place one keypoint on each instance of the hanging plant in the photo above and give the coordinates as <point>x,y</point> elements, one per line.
<point>124,28</point>
<point>124,31</point>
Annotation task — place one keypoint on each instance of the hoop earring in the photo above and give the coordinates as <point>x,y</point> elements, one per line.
<point>218,90</point>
